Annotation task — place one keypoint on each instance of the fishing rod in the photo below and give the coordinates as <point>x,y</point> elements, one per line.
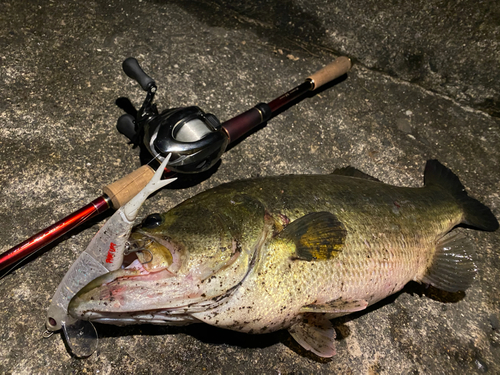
<point>195,139</point>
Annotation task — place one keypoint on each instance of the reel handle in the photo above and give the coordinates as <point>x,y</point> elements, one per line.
<point>132,69</point>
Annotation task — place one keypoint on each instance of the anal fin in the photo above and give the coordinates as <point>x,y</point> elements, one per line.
<point>452,267</point>
<point>316,334</point>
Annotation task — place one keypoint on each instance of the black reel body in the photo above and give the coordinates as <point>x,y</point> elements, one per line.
<point>195,139</point>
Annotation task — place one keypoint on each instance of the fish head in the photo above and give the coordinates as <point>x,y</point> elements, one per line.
<point>191,256</point>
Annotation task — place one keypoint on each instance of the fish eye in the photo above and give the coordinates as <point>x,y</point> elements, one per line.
<point>152,221</point>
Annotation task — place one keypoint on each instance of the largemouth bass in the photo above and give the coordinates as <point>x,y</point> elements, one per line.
<point>290,252</point>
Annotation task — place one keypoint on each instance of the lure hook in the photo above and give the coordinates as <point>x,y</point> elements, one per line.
<point>47,334</point>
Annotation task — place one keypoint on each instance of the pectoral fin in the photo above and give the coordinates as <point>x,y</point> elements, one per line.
<point>317,236</point>
<point>316,334</point>
<point>337,307</point>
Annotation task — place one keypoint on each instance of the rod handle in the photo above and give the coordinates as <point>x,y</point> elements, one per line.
<point>123,190</point>
<point>340,66</point>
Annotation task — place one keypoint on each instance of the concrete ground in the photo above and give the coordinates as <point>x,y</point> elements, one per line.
<point>426,84</point>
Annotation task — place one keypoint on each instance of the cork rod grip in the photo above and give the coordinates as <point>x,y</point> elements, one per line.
<point>337,68</point>
<point>123,190</point>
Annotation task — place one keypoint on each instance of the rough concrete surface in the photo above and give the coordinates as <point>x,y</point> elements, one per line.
<point>426,84</point>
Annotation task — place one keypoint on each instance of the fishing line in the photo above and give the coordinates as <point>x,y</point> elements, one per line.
<point>11,269</point>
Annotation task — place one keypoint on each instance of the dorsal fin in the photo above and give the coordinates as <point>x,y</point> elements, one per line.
<point>353,172</point>
<point>317,236</point>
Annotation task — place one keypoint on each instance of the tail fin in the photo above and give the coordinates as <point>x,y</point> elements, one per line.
<point>476,214</point>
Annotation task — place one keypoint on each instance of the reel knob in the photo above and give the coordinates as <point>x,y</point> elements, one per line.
<point>126,126</point>
<point>132,69</point>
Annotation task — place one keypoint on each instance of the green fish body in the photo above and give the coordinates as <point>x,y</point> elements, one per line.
<point>290,252</point>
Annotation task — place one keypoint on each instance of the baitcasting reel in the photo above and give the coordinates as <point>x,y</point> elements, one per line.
<point>195,139</point>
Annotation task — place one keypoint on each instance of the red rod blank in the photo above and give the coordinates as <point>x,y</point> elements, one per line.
<point>53,232</point>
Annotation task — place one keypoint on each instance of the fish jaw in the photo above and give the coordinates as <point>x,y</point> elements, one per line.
<point>127,289</point>
<point>166,296</point>
<point>129,292</point>
<point>153,253</point>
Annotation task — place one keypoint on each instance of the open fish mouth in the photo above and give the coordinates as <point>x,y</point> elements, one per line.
<point>155,285</point>
<point>148,253</point>
<point>150,267</point>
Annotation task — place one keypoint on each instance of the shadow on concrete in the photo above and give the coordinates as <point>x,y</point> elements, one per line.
<point>282,23</point>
